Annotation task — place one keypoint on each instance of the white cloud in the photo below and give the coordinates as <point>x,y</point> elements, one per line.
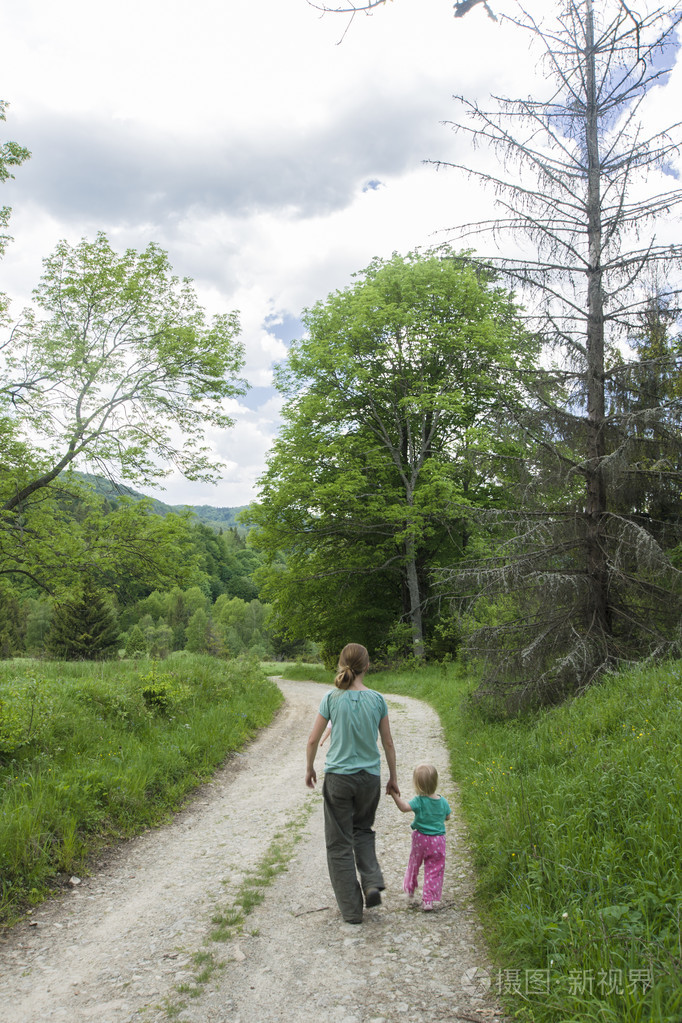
<point>241,138</point>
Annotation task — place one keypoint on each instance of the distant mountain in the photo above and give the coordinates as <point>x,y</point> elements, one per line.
<point>217,518</point>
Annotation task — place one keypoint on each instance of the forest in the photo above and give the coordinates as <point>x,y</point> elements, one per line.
<point>479,454</point>
<point>199,596</point>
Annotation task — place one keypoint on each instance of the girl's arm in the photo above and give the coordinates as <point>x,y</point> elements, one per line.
<point>319,725</point>
<point>401,804</point>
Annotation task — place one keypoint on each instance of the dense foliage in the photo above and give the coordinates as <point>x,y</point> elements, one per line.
<point>83,628</point>
<point>391,435</point>
<point>88,754</point>
<point>114,366</point>
<point>205,600</point>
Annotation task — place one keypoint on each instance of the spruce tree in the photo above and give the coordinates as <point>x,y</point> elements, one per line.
<point>583,582</point>
<point>136,644</point>
<point>84,627</point>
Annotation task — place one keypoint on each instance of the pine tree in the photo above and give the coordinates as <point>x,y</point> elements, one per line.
<point>84,627</point>
<point>136,644</point>
<point>582,583</point>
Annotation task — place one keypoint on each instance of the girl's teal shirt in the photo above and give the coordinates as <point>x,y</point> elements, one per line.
<point>429,814</point>
<point>355,715</point>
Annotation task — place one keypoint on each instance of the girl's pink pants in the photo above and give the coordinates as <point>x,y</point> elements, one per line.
<point>429,850</point>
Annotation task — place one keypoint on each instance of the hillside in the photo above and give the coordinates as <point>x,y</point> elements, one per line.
<point>217,518</point>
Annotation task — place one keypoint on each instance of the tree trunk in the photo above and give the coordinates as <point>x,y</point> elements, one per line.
<point>595,505</point>
<point>415,599</point>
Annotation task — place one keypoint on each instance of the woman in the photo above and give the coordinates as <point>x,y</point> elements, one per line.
<point>352,781</point>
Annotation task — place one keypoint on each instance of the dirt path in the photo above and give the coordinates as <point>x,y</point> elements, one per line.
<point>118,947</point>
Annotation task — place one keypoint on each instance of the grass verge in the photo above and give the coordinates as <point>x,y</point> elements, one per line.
<point>90,753</point>
<point>574,817</point>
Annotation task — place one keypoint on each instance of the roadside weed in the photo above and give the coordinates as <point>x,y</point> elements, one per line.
<point>90,753</point>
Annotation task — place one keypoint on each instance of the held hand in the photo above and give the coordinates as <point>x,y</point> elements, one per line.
<point>392,788</point>
<point>310,778</point>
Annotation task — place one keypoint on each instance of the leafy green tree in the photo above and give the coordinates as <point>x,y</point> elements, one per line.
<point>159,640</point>
<point>38,620</point>
<point>155,604</point>
<point>195,599</point>
<point>644,401</point>
<point>225,561</point>
<point>136,644</point>
<point>241,623</point>
<point>84,627</point>
<point>11,638</point>
<point>159,637</point>
<point>177,617</point>
<point>388,397</point>
<point>11,155</point>
<point>115,368</point>
<point>202,637</point>
<point>128,549</point>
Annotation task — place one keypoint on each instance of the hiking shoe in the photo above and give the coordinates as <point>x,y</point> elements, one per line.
<point>372,897</point>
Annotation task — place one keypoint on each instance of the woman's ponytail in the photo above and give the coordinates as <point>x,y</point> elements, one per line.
<point>353,661</point>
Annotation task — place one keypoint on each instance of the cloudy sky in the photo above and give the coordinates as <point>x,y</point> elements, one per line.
<point>270,160</point>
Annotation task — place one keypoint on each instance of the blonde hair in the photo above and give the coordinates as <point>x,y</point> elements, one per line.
<point>353,661</point>
<point>425,778</point>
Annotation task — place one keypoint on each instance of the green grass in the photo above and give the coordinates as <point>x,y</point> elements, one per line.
<point>300,671</point>
<point>574,814</point>
<point>229,919</point>
<point>90,753</point>
<point>575,818</point>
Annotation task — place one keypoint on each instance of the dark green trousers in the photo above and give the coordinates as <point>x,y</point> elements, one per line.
<point>350,804</point>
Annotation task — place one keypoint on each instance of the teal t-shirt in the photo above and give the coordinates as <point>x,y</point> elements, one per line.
<point>355,715</point>
<point>429,814</point>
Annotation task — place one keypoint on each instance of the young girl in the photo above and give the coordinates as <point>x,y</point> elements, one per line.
<point>428,835</point>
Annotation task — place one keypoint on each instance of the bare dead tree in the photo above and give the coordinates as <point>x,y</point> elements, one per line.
<point>585,582</point>
<point>348,8</point>
<point>462,7</point>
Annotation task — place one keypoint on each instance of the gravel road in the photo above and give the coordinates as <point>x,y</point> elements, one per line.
<point>130,941</point>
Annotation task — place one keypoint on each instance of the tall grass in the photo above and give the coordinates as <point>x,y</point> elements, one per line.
<point>300,671</point>
<point>89,753</point>
<point>575,820</point>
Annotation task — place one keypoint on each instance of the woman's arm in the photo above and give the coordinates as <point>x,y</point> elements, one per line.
<point>319,725</point>
<point>389,750</point>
